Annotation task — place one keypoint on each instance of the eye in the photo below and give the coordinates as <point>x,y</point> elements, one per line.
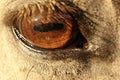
<point>48,29</point>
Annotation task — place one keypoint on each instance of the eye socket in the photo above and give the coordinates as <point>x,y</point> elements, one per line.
<point>54,30</point>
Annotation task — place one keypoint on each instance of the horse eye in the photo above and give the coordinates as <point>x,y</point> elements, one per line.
<point>53,30</point>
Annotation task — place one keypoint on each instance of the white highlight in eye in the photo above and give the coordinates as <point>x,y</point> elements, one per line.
<point>36,19</point>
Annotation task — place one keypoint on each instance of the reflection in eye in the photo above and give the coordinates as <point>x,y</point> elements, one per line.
<point>48,29</point>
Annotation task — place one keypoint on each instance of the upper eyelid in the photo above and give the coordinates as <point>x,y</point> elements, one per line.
<point>12,14</point>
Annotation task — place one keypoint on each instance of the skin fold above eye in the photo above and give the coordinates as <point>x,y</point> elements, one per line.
<point>99,26</point>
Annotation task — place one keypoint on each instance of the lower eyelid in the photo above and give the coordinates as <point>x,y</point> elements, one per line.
<point>52,54</point>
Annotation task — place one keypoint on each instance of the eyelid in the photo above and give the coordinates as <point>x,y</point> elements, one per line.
<point>11,15</point>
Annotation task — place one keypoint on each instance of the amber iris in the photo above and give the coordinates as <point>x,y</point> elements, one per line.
<point>51,32</point>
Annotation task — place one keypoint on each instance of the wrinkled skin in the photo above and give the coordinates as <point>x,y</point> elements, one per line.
<point>101,63</point>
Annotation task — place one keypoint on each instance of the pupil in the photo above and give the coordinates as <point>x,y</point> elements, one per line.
<point>48,27</point>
